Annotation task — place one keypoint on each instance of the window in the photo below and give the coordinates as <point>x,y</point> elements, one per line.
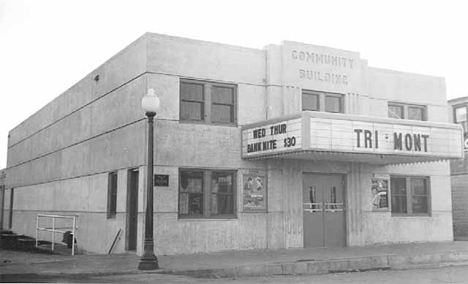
<point>406,111</point>
<point>310,101</point>
<point>319,101</point>
<point>410,195</point>
<point>460,117</point>
<point>112,195</point>
<point>460,114</point>
<point>416,113</point>
<point>191,101</point>
<point>395,111</point>
<point>208,102</point>
<point>207,194</point>
<point>333,103</point>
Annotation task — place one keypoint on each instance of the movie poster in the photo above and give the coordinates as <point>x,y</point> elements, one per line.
<point>379,194</point>
<point>254,193</point>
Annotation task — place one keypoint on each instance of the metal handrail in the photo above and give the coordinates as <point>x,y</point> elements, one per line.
<point>54,230</point>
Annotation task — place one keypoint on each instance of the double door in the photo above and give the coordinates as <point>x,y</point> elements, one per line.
<point>324,211</point>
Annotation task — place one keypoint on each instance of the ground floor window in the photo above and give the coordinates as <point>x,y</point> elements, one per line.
<point>410,195</point>
<point>112,195</point>
<point>207,193</point>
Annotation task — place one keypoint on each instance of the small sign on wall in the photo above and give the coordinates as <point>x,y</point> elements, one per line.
<point>161,180</point>
<point>254,194</point>
<point>380,194</point>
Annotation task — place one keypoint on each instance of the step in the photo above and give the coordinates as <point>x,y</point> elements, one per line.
<point>5,232</point>
<point>26,241</point>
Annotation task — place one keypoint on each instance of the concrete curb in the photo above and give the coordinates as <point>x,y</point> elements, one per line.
<point>381,262</point>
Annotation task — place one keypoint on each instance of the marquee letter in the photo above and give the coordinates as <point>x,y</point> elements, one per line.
<point>397,141</point>
<point>417,142</point>
<point>425,142</point>
<point>368,138</point>
<point>358,136</point>
<point>408,142</point>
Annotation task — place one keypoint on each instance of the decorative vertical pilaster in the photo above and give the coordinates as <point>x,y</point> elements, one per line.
<point>354,205</point>
<point>292,100</point>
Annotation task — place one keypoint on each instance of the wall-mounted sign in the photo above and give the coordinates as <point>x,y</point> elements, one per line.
<point>383,138</point>
<point>272,138</point>
<point>254,194</point>
<point>161,180</point>
<point>379,194</point>
<point>315,132</point>
<point>320,68</point>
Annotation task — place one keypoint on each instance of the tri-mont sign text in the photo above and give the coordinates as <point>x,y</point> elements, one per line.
<point>351,134</point>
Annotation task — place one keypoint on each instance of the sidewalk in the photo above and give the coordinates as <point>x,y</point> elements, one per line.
<point>246,263</point>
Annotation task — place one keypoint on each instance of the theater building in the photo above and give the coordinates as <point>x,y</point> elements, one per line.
<point>459,170</point>
<point>294,145</point>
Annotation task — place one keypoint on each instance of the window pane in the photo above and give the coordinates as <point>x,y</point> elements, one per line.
<point>332,104</point>
<point>310,101</point>
<point>222,113</point>
<point>419,204</point>
<point>223,95</point>
<point>395,111</point>
<point>224,204</point>
<point>415,113</point>
<point>398,186</point>
<point>191,193</point>
<point>191,92</point>
<point>222,193</point>
<point>399,204</point>
<point>460,114</point>
<point>398,191</point>
<point>191,111</point>
<point>418,186</point>
<point>419,195</point>
<point>112,195</point>
<point>195,204</point>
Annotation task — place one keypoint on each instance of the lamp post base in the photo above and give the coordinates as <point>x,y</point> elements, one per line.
<point>148,261</point>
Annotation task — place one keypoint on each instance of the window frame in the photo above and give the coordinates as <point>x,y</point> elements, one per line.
<point>311,93</point>
<point>455,107</point>
<point>409,196</point>
<point>202,102</point>
<point>406,107</point>
<point>207,180</point>
<point>321,100</point>
<point>208,102</point>
<point>112,195</point>
<point>396,106</point>
<point>340,99</point>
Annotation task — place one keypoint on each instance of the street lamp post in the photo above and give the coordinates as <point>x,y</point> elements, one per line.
<point>149,261</point>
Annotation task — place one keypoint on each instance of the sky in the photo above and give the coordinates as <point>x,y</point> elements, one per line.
<point>46,46</point>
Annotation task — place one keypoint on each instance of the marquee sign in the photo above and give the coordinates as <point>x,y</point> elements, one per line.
<point>326,132</point>
<point>274,137</point>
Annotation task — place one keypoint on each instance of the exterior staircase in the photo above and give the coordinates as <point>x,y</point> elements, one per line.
<point>11,241</point>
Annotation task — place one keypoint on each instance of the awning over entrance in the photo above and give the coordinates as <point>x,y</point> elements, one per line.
<point>341,137</point>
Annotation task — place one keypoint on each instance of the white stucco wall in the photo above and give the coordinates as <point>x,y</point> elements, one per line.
<point>59,159</point>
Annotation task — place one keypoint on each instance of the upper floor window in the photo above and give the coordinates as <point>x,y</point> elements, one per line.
<point>406,111</point>
<point>208,102</point>
<point>460,114</point>
<point>410,195</point>
<point>207,194</point>
<point>320,101</point>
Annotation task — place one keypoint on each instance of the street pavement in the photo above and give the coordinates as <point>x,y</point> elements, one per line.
<point>231,264</point>
<point>452,274</point>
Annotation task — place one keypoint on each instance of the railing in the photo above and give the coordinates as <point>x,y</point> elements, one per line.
<point>54,229</point>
